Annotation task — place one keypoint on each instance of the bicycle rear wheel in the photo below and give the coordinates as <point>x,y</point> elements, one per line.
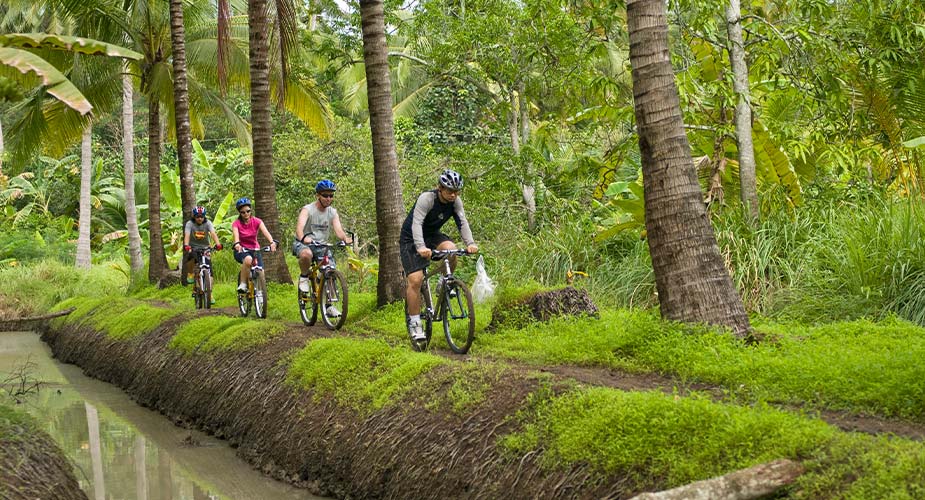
<point>458,316</point>
<point>260,295</point>
<point>333,295</point>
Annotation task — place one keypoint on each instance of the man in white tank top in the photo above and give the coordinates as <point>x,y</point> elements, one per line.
<point>316,220</point>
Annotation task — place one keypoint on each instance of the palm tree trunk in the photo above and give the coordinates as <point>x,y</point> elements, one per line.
<point>181,107</point>
<point>157,259</point>
<point>128,156</point>
<point>262,133</point>
<point>692,282</point>
<point>86,172</point>
<point>389,207</point>
<point>743,112</point>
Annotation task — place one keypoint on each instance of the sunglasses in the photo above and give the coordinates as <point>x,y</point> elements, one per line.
<point>329,195</point>
<point>244,212</point>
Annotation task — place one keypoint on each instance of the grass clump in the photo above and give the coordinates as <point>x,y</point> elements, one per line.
<point>651,435</point>
<point>223,333</point>
<point>660,441</point>
<point>12,423</point>
<point>119,318</point>
<point>192,334</point>
<point>135,321</point>
<point>467,386</point>
<point>364,374</point>
<point>860,466</point>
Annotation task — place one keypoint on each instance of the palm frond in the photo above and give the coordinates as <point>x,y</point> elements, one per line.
<point>410,105</point>
<point>308,105</point>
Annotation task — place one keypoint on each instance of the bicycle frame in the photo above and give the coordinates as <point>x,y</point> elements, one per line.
<point>432,311</point>
<point>324,279</point>
<point>251,296</point>
<point>202,264</point>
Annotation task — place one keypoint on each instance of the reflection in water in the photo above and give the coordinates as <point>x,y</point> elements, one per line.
<point>123,451</point>
<point>96,455</point>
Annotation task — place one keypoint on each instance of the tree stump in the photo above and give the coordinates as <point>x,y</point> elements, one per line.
<point>170,278</point>
<point>543,306</point>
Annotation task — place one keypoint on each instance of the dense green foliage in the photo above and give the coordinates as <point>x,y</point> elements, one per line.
<point>537,93</point>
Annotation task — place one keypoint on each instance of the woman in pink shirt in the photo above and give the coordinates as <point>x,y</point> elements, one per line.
<point>245,245</point>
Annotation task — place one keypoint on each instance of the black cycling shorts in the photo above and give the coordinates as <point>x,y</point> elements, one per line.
<point>410,260</point>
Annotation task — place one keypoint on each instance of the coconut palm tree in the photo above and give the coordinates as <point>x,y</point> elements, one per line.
<point>145,24</point>
<point>692,282</point>
<point>389,209</point>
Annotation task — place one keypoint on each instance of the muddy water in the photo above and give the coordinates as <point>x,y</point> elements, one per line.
<point>121,450</point>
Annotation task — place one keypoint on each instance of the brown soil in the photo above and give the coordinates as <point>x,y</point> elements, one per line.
<point>32,466</point>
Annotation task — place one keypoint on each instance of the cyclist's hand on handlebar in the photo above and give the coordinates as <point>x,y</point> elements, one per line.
<point>273,246</point>
<point>309,242</point>
<point>473,248</point>
<point>187,248</point>
<point>425,252</point>
<point>218,246</point>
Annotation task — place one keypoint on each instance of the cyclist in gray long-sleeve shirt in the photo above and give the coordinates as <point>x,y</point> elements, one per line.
<point>421,233</point>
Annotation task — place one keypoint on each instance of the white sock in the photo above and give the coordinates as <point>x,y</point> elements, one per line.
<point>414,318</point>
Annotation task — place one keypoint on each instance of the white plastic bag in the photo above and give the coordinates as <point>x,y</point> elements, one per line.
<point>483,288</point>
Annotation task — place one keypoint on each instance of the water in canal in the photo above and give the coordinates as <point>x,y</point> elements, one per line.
<point>121,450</point>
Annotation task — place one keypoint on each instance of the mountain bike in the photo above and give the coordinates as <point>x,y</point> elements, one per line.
<point>202,279</point>
<point>327,290</point>
<point>256,293</point>
<point>453,308</point>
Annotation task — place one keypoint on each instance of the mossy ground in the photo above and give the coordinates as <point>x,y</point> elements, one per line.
<point>651,439</point>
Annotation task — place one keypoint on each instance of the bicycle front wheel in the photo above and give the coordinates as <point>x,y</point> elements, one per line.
<point>205,283</point>
<point>458,316</point>
<point>244,303</point>
<point>260,295</point>
<point>333,300</point>
<point>307,301</point>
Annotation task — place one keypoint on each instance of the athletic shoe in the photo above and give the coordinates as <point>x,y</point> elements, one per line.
<point>332,311</point>
<point>304,284</point>
<point>417,331</point>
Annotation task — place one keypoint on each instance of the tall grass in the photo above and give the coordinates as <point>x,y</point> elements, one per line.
<point>822,262</point>
<point>35,288</point>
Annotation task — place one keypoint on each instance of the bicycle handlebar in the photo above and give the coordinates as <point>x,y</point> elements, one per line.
<point>439,254</point>
<point>327,245</point>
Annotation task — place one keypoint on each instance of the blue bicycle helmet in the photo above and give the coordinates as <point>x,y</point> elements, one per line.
<point>325,185</point>
<point>242,203</point>
<point>199,211</point>
<point>451,179</point>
